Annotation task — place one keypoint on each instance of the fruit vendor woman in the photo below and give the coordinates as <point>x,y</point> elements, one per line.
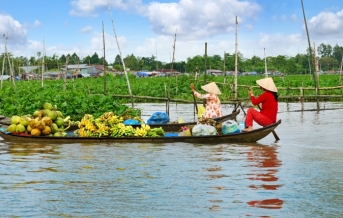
<point>269,100</point>
<point>213,105</point>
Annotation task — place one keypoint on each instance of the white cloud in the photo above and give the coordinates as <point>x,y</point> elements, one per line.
<point>90,8</point>
<point>13,29</point>
<point>198,18</point>
<point>327,24</point>
<point>37,23</point>
<point>86,29</point>
<point>286,44</point>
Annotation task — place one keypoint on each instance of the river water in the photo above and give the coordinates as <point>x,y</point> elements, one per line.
<point>299,176</point>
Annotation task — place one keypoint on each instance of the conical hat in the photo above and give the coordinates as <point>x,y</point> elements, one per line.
<point>211,88</point>
<point>267,83</point>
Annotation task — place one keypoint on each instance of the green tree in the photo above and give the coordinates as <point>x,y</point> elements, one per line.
<point>95,59</point>
<point>337,52</point>
<point>131,62</point>
<point>196,63</point>
<point>117,60</point>
<point>324,50</point>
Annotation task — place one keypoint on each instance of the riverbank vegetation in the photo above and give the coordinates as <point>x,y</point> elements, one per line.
<point>96,95</point>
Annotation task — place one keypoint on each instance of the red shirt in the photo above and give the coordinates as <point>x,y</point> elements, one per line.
<point>269,104</point>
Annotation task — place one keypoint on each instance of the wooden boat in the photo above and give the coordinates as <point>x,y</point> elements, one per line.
<point>243,137</point>
<point>168,127</point>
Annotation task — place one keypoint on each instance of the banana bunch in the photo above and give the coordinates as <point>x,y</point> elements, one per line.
<point>106,116</point>
<point>156,132</point>
<point>109,124</point>
<point>87,124</point>
<point>114,131</point>
<point>101,130</point>
<point>128,131</point>
<point>82,132</point>
<point>146,127</point>
<point>207,121</point>
<point>140,132</point>
<point>86,119</point>
<point>114,120</point>
<point>120,130</point>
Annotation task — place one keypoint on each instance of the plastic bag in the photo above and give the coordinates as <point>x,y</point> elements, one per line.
<point>201,111</point>
<point>158,118</point>
<point>131,122</point>
<point>203,129</point>
<point>230,127</point>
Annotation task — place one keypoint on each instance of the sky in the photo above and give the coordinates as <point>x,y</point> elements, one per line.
<point>148,28</point>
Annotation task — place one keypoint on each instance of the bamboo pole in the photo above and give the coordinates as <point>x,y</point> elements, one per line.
<point>310,49</point>
<point>302,96</point>
<point>265,64</point>
<point>104,60</point>
<point>172,66</point>
<point>205,62</point>
<point>65,74</point>
<point>316,73</point>
<point>121,57</point>
<point>11,68</point>
<point>204,100</point>
<point>340,71</point>
<point>236,60</point>
<point>43,63</point>
<point>3,60</point>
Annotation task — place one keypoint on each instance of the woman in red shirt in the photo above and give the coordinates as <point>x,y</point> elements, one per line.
<point>269,101</point>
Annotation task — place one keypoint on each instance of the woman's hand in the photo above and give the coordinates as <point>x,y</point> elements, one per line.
<point>250,93</point>
<point>192,87</point>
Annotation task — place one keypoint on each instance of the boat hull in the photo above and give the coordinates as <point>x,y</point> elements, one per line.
<point>244,137</point>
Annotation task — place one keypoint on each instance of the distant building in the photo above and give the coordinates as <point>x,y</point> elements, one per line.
<point>214,72</point>
<point>29,69</point>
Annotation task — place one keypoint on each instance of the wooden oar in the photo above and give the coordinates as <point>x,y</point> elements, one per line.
<point>195,103</point>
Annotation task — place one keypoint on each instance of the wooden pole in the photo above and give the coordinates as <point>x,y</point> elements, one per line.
<point>172,66</point>
<point>204,100</point>
<point>43,64</point>
<point>224,64</point>
<point>104,60</point>
<point>11,68</point>
<point>316,73</point>
<point>265,63</point>
<point>340,71</point>
<point>121,57</point>
<point>65,74</point>
<point>310,49</point>
<point>205,62</point>
<point>3,61</point>
<point>236,61</point>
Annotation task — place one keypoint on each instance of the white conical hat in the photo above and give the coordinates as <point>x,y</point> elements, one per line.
<point>211,88</point>
<point>267,83</point>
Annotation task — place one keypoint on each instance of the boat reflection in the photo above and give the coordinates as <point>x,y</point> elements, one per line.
<point>265,164</point>
<point>31,149</point>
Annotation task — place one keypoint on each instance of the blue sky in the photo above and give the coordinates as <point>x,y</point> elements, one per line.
<point>145,28</point>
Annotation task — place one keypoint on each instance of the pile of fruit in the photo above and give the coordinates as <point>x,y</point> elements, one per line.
<point>111,125</point>
<point>47,121</point>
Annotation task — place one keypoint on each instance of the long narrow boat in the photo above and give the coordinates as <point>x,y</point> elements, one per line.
<point>246,137</point>
<point>167,127</point>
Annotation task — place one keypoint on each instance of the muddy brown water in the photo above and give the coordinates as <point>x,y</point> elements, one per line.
<point>299,176</point>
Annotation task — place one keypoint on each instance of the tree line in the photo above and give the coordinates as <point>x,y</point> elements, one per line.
<point>329,59</point>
